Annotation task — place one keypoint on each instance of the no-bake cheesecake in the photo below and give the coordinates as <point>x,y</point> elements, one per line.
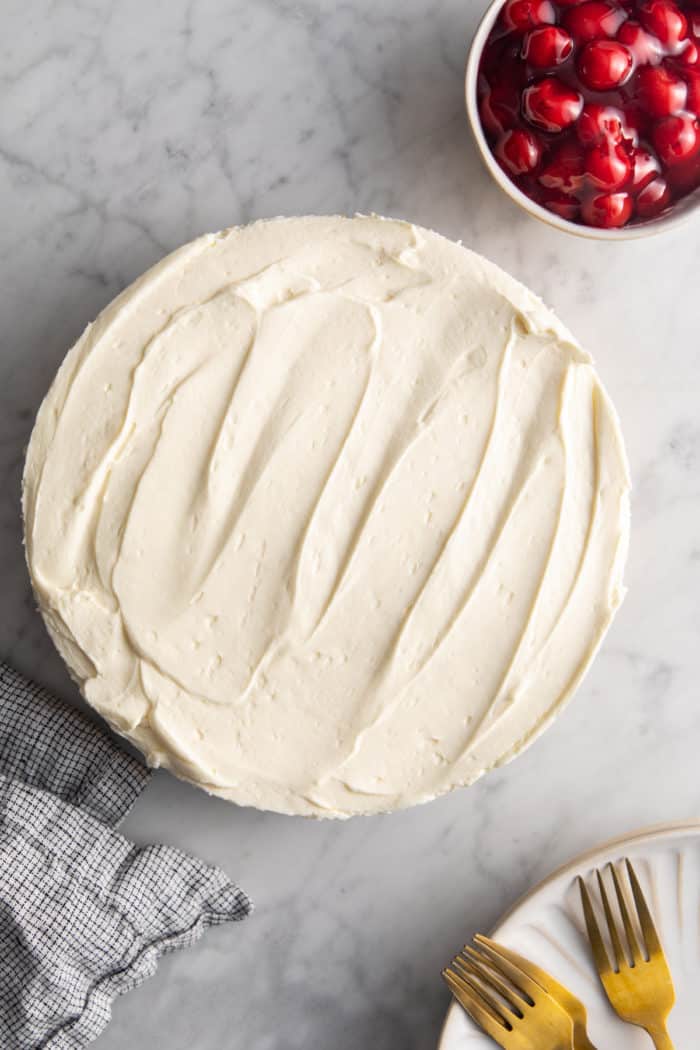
<point>327,515</point>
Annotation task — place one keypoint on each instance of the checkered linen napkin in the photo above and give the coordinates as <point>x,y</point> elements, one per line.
<point>84,914</point>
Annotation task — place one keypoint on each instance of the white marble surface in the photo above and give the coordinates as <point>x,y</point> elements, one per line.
<point>126,129</point>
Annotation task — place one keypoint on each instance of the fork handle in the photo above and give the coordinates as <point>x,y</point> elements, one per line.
<point>662,1040</point>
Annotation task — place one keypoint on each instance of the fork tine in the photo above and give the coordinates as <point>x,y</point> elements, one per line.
<point>651,937</point>
<point>484,969</point>
<point>542,979</point>
<point>637,956</point>
<point>620,957</point>
<point>479,1008</point>
<point>460,982</point>
<point>528,988</point>
<point>600,954</point>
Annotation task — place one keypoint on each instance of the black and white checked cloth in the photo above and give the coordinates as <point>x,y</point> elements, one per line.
<point>84,914</point>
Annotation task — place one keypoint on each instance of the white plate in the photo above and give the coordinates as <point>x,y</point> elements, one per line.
<point>547,926</point>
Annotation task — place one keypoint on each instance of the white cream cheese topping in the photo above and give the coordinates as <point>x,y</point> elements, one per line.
<point>327,515</point>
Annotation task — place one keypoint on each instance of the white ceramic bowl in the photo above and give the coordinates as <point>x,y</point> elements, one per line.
<point>679,213</point>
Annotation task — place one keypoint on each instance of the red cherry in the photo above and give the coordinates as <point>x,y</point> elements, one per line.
<point>498,106</point>
<point>519,151</point>
<point>676,138</point>
<point>692,77</point>
<point>560,204</point>
<point>526,14</point>
<point>660,91</point>
<point>664,20</point>
<point>565,169</point>
<point>645,167</point>
<point>655,196</point>
<point>498,56</point>
<point>608,210</point>
<point>604,64</point>
<point>551,105</point>
<point>608,167</point>
<point>597,123</point>
<point>594,19</point>
<point>547,46</point>
<point>690,55</point>
<point>645,48</point>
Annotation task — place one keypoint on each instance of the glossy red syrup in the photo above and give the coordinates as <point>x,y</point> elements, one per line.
<point>592,107</point>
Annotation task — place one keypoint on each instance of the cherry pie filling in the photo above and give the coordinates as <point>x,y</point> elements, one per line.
<point>591,107</point>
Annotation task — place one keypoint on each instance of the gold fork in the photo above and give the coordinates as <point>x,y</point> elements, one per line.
<point>640,989</point>
<point>505,1002</point>
<point>566,999</point>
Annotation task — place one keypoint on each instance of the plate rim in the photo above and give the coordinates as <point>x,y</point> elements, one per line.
<point>651,833</point>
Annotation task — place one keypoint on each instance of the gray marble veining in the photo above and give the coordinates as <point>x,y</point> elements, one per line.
<point>126,129</point>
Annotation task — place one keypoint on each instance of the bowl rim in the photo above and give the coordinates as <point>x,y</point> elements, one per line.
<point>675,217</point>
